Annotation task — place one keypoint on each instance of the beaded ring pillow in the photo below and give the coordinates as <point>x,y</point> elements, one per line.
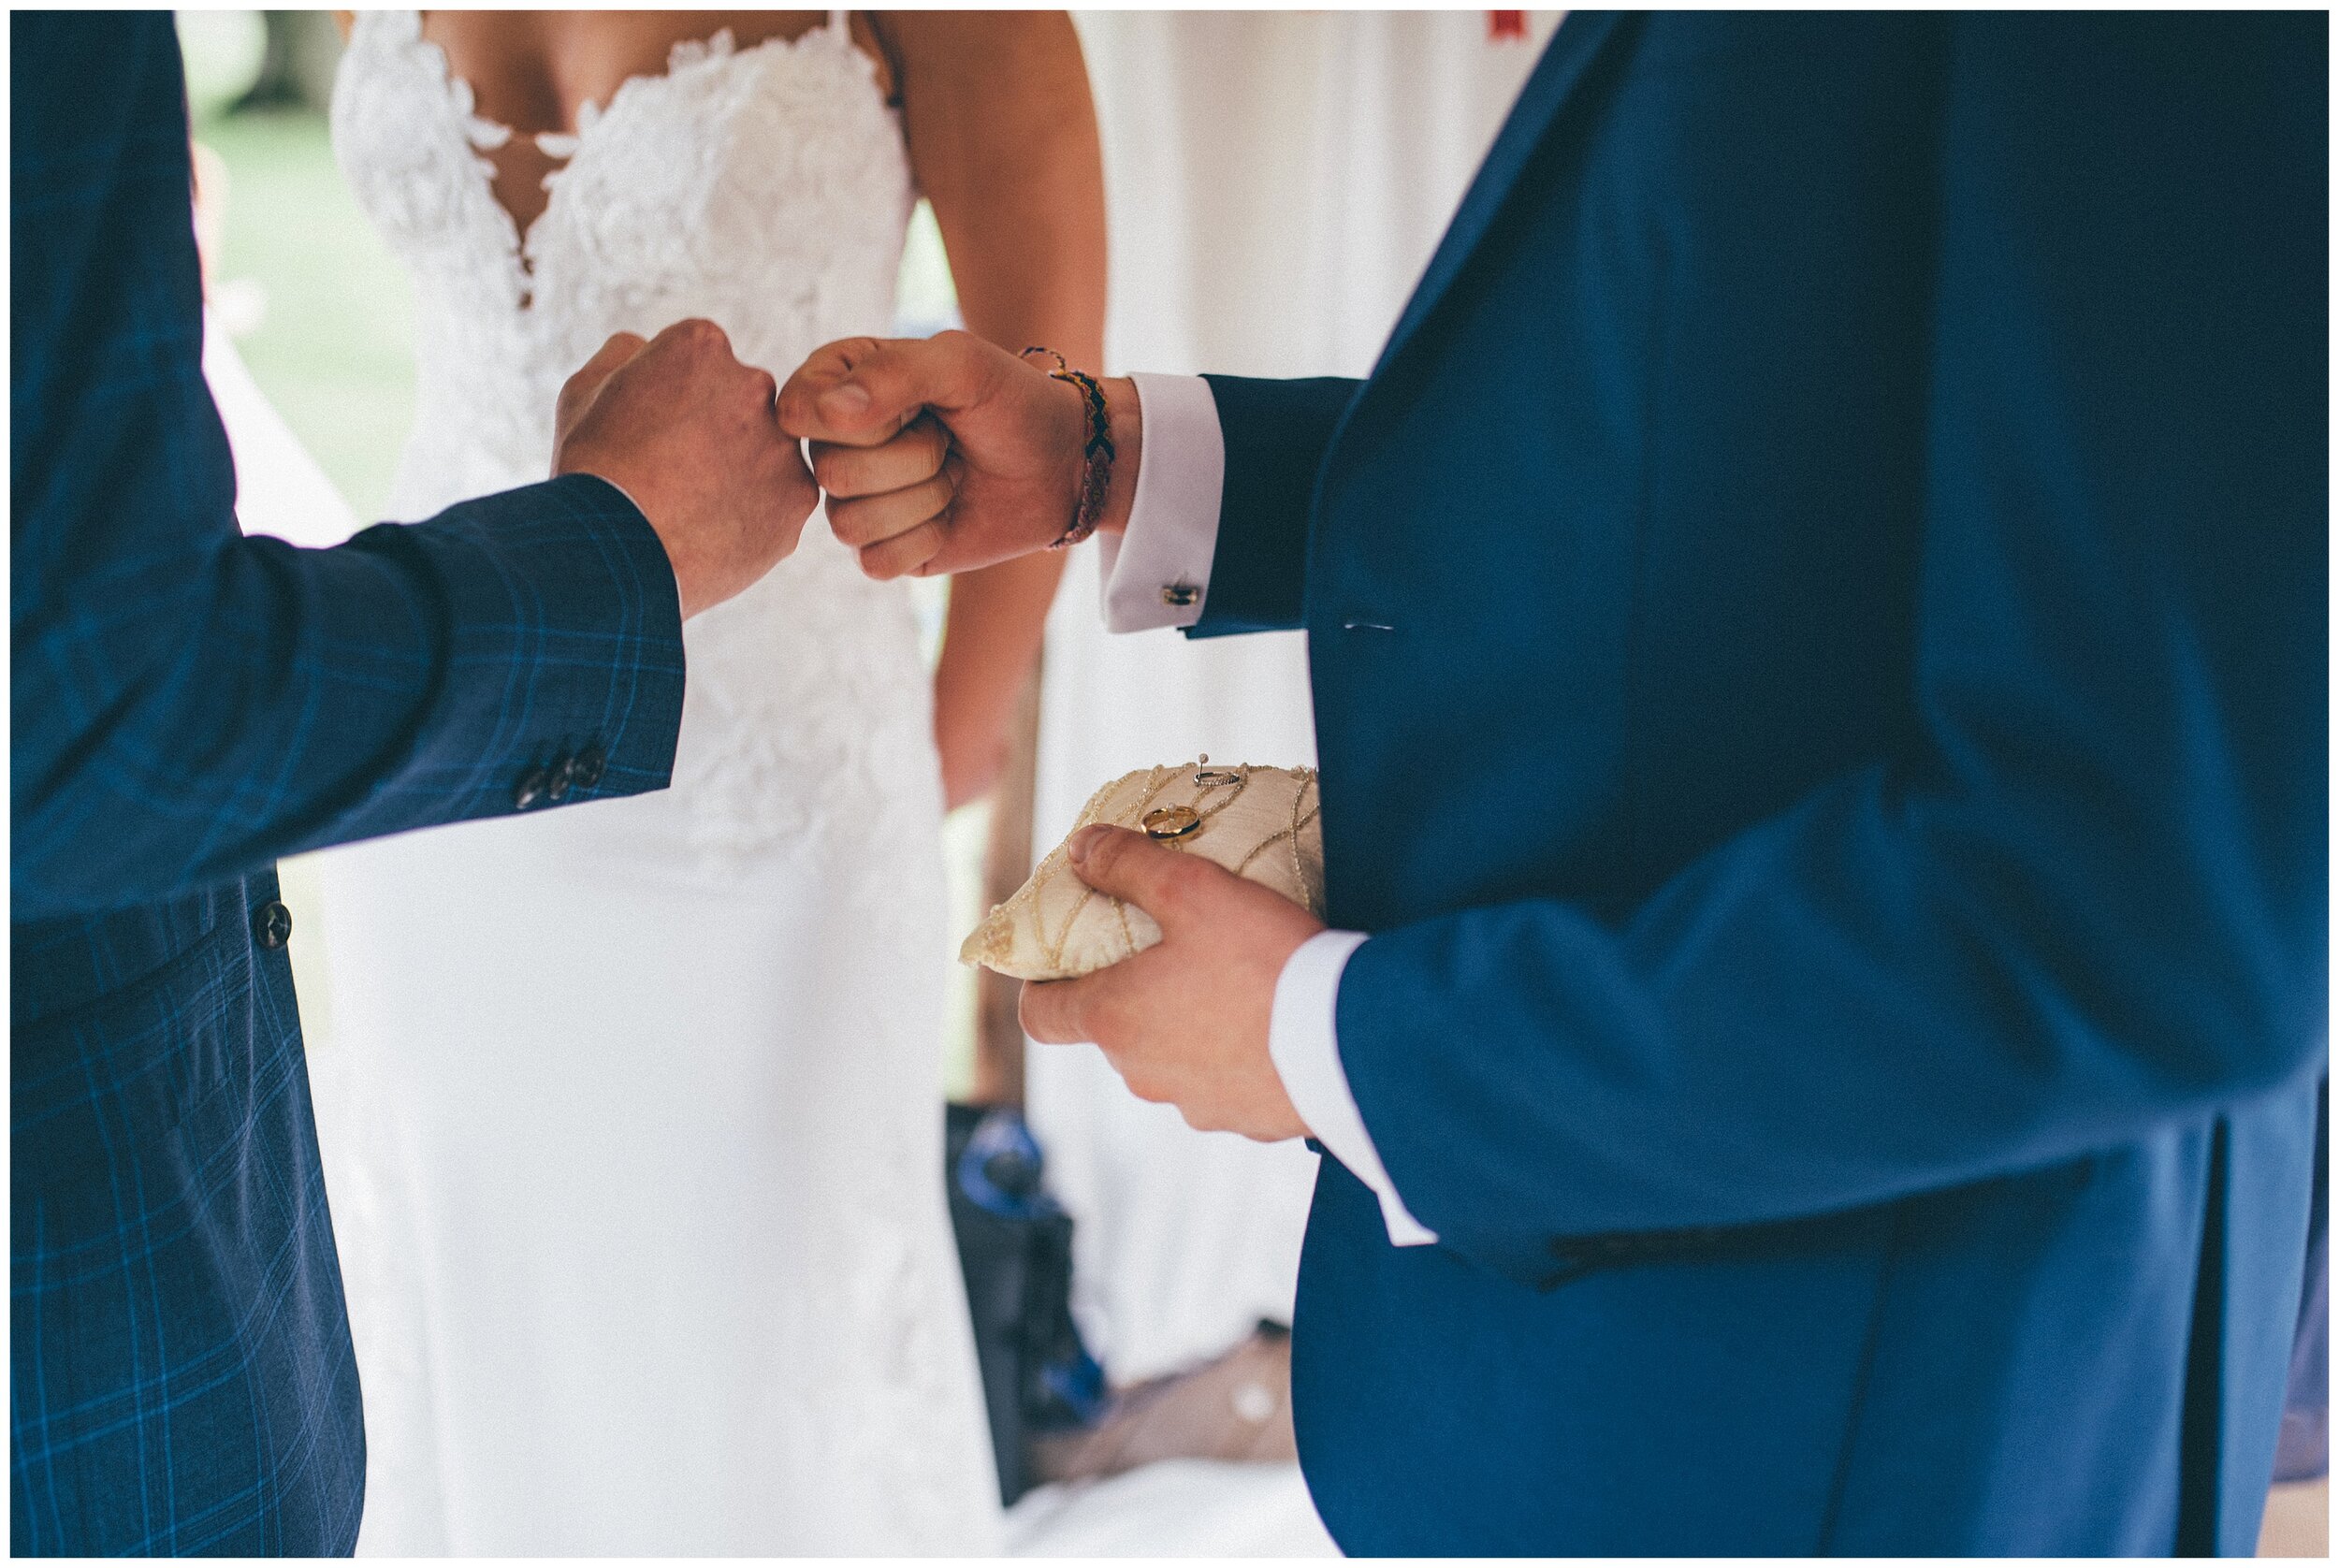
<point>1260,823</point>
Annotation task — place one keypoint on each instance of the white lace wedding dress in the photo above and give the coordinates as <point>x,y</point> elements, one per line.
<point>636,1155</point>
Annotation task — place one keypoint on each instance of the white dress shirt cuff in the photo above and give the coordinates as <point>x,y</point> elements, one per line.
<point>1157,572</point>
<point>1302,1037</point>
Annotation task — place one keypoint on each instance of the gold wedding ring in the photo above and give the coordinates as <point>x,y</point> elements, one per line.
<point>1171,821</point>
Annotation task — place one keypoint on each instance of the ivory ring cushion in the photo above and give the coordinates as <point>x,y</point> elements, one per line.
<point>1260,823</point>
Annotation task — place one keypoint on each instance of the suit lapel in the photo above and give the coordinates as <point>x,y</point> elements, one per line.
<point>1572,50</point>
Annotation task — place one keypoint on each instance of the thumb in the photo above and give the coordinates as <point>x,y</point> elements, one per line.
<point>1135,869</point>
<point>862,391</point>
<point>577,393</point>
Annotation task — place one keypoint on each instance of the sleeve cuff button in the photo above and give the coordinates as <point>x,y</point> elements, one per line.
<point>271,925</point>
<point>530,789</point>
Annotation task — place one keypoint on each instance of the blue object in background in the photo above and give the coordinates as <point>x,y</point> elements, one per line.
<point>1015,1249</point>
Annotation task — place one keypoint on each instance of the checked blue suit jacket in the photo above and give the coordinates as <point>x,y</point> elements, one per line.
<point>1818,633</point>
<point>188,705</point>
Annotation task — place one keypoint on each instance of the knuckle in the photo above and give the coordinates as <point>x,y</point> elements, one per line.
<point>796,406</point>
<point>906,553</point>
<point>846,521</point>
<point>1199,878</point>
<point>1181,872</point>
<point>1176,882</point>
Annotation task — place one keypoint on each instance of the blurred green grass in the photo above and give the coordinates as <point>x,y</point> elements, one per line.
<point>332,341</point>
<point>333,347</point>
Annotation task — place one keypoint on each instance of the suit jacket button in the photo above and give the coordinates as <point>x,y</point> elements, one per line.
<point>556,789</point>
<point>271,925</point>
<point>586,768</point>
<point>530,789</point>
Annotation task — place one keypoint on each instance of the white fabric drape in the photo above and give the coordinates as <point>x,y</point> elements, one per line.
<point>1276,181</point>
<point>279,489</point>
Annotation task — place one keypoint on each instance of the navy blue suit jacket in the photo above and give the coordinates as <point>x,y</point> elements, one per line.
<point>188,705</point>
<point>1818,635</point>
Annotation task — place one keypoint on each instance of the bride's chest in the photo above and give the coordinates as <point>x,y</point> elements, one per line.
<point>748,179</point>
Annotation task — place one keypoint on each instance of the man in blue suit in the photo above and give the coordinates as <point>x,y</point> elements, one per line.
<point>188,705</point>
<point>1817,627</point>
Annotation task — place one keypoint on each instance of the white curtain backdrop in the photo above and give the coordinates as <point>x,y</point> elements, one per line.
<point>1276,181</point>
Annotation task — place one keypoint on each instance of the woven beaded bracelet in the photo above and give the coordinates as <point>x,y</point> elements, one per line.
<point>1096,455</point>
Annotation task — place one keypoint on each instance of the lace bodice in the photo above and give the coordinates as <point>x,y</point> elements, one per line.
<point>766,188</point>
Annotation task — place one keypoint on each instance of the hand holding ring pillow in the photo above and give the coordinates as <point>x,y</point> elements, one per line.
<point>947,455</point>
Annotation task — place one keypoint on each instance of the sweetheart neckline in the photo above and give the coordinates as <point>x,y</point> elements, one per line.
<point>721,44</point>
<point>719,48</point>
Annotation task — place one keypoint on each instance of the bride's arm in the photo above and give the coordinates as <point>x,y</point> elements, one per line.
<point>1003,140</point>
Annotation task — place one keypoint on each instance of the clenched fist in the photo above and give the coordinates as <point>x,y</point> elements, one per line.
<point>680,425</point>
<point>946,454</point>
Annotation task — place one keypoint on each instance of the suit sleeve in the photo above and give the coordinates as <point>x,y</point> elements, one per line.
<point>2091,896</point>
<point>1276,434</point>
<point>190,704</point>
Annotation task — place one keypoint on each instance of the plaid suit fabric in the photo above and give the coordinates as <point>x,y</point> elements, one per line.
<point>181,1374</point>
<point>187,705</point>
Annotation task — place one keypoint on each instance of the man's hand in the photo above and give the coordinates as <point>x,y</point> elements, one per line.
<point>689,434</point>
<point>946,454</point>
<point>1184,1021</point>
